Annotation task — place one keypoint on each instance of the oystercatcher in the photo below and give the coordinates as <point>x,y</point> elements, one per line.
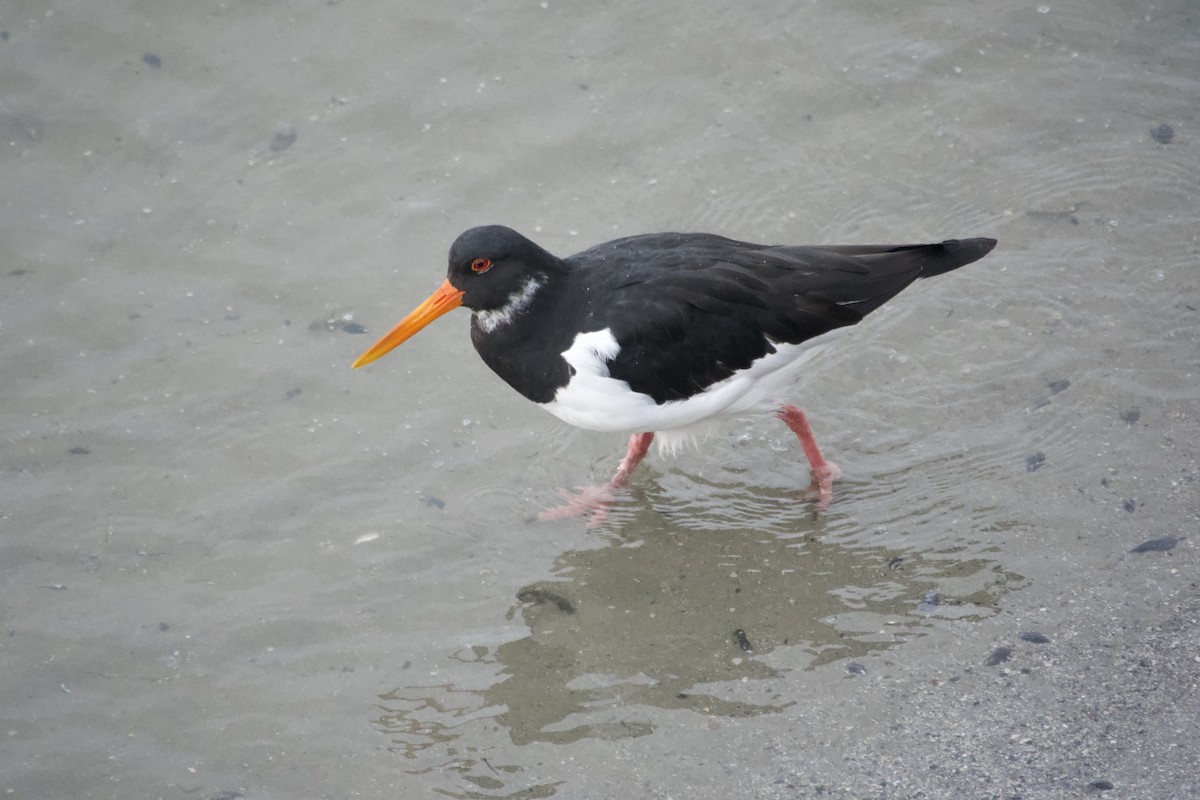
<point>664,332</point>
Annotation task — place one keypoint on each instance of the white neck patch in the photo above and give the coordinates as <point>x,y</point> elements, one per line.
<point>518,301</point>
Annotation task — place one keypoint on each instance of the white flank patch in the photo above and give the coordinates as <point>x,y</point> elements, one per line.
<point>518,301</point>
<point>598,402</point>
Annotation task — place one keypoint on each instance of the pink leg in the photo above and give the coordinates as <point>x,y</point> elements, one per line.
<point>639,445</point>
<point>596,499</point>
<point>823,472</point>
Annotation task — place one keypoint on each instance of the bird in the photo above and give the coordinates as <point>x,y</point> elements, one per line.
<point>662,334</point>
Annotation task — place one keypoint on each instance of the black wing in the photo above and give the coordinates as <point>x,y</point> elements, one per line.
<point>689,310</point>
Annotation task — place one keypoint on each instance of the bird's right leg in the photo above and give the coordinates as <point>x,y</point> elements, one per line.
<point>823,472</point>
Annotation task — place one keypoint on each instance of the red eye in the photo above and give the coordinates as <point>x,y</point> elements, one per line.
<point>481,264</point>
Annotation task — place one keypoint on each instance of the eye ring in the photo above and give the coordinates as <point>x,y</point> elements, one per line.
<point>481,265</point>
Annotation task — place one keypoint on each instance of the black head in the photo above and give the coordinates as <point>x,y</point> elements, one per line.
<point>491,263</point>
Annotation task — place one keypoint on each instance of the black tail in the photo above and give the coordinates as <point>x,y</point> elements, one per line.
<point>952,254</point>
<point>884,270</point>
<point>933,259</point>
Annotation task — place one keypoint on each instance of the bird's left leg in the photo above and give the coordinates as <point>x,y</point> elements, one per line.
<point>596,500</point>
<point>823,472</point>
<point>639,445</point>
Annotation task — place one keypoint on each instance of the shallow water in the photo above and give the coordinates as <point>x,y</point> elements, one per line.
<point>231,565</point>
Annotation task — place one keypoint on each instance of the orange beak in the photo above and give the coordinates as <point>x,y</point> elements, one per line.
<point>446,298</point>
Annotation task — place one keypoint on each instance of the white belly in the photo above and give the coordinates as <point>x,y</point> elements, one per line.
<point>598,402</point>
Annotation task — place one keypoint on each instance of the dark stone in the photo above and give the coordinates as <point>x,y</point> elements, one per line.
<point>998,656</point>
<point>284,138</point>
<point>542,596</point>
<point>1158,545</point>
<point>1163,134</point>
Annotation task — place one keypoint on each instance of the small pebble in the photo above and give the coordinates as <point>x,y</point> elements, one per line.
<point>1131,415</point>
<point>743,641</point>
<point>1158,545</point>
<point>1163,134</point>
<point>1034,637</point>
<point>855,668</point>
<point>1129,505</point>
<point>541,596</point>
<point>284,138</point>
<point>1034,462</point>
<point>998,656</point>
<point>79,451</point>
<point>152,60</point>
<point>929,603</point>
<point>1100,786</point>
<point>353,327</point>
<point>1059,386</point>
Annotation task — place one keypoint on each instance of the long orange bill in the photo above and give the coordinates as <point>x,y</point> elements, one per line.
<point>446,298</point>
